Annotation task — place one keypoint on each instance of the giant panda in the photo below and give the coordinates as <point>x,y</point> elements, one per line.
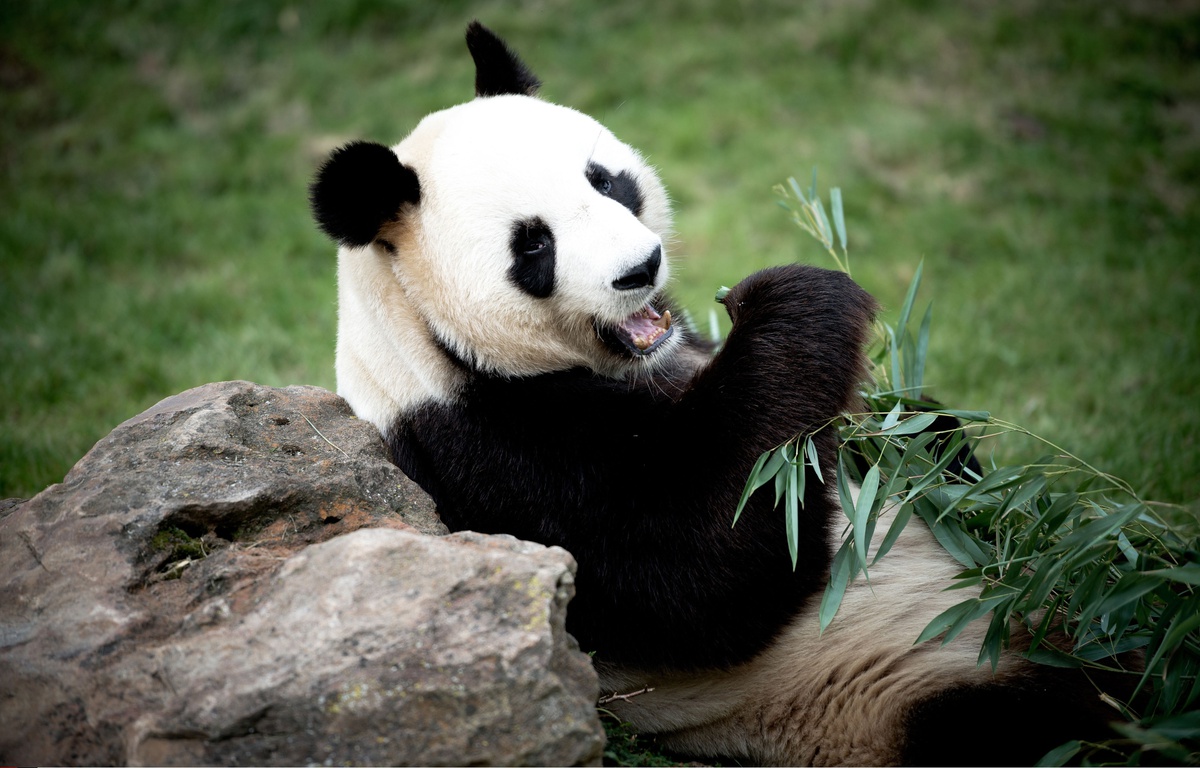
<point>502,320</point>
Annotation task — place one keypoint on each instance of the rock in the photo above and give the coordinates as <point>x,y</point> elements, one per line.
<point>240,576</point>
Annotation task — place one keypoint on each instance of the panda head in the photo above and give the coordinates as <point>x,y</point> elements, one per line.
<point>515,236</point>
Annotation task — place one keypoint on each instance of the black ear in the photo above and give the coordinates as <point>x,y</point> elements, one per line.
<point>497,69</point>
<point>360,188</point>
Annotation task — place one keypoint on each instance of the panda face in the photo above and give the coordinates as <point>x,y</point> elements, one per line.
<point>537,243</point>
<point>505,236</point>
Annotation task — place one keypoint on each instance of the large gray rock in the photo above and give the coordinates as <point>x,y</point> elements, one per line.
<point>239,576</point>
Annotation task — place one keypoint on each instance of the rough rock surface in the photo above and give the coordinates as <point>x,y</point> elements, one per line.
<point>239,576</point>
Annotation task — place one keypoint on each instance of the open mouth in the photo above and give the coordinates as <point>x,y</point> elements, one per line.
<point>639,334</point>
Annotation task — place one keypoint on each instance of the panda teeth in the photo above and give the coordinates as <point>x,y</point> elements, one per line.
<point>663,322</point>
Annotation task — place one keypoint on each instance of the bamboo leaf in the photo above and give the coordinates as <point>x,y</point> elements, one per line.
<point>914,424</point>
<point>980,416</point>
<point>795,185</point>
<point>894,355</point>
<point>1130,587</point>
<point>810,450</point>
<point>917,372</point>
<point>994,640</point>
<point>893,417</point>
<point>823,227</point>
<point>903,515</point>
<point>952,620</point>
<point>764,471</point>
<point>835,590</point>
<point>1023,493</point>
<point>839,217</point>
<point>1189,573</point>
<point>955,541</point>
<point>845,496</point>
<point>792,512</point>
<point>862,511</point>
<point>1060,755</point>
<point>906,307</point>
<point>1093,530</point>
<point>1185,621</point>
<point>751,485</point>
<point>949,452</point>
<point>1052,657</point>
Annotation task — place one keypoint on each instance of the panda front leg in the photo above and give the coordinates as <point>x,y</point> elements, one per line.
<point>791,364</point>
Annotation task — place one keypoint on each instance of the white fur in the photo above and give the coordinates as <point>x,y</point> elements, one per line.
<point>836,698</point>
<point>482,166</point>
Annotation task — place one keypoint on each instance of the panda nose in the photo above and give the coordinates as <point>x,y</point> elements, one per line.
<point>641,275</point>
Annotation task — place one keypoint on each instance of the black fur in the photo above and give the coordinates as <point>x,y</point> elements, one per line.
<point>621,187</point>
<point>359,189</point>
<point>533,252</point>
<point>639,479</point>
<point>1037,714</point>
<point>498,71</point>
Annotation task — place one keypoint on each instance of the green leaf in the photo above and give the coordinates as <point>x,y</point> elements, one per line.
<point>954,619</point>
<point>1094,530</point>
<point>980,416</point>
<point>1060,755</point>
<point>1043,581</point>
<point>823,227</point>
<point>994,640</point>
<point>955,541</point>
<point>862,511</point>
<point>839,217</point>
<point>810,450</point>
<point>894,354</point>
<point>793,492</point>
<point>949,452</point>
<point>906,307</point>
<point>916,374</point>
<point>1023,493</point>
<point>903,515</point>
<point>722,292</point>
<point>795,185</point>
<point>999,480</point>
<point>1189,573</point>
<point>1050,656</point>
<point>1130,587</point>
<point>1185,621</point>
<point>845,496</point>
<point>840,571</point>
<point>764,471</point>
<point>914,424</point>
<point>1128,550</point>
<point>893,417</point>
<point>752,484</point>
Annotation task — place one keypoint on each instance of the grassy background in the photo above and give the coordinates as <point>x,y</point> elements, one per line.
<point>1042,158</point>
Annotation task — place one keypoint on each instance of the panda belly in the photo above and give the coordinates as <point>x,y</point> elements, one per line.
<point>845,697</point>
<point>862,693</point>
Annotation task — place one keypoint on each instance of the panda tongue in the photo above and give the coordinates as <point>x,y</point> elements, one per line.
<point>646,326</point>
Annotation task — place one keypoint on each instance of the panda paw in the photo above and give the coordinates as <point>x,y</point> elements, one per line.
<point>820,300</point>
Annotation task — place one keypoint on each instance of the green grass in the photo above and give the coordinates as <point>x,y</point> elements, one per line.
<point>1041,158</point>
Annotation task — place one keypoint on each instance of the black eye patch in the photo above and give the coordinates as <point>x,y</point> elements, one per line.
<point>532,246</point>
<point>620,187</point>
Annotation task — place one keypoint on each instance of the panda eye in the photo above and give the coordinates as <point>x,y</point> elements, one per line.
<point>601,180</point>
<point>535,245</point>
<point>532,239</point>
